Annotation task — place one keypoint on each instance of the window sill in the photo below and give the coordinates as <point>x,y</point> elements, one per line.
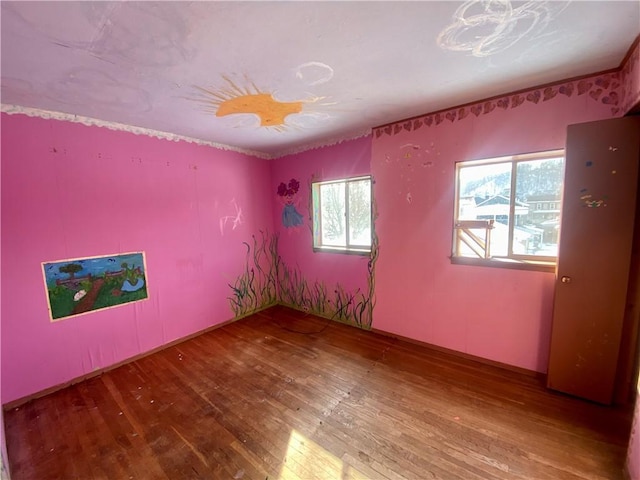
<point>346,251</point>
<point>506,263</point>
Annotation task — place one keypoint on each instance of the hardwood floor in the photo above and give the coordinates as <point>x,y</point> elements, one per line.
<point>254,400</point>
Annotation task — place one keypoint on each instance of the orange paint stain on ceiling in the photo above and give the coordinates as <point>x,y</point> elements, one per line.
<point>249,99</point>
<point>270,111</point>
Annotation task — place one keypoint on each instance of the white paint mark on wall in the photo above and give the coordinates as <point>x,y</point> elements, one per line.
<point>412,145</point>
<point>236,218</point>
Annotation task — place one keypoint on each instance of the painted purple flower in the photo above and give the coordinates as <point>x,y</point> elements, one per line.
<point>294,185</point>
<point>282,189</point>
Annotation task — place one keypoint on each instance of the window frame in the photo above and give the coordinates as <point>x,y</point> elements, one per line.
<point>511,260</point>
<point>316,204</point>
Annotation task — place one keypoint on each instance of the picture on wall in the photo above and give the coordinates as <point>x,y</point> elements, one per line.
<point>82,285</point>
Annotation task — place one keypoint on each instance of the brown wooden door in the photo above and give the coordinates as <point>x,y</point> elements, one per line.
<point>598,211</point>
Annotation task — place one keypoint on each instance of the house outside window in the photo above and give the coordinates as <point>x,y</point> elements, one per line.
<point>342,219</point>
<point>508,210</point>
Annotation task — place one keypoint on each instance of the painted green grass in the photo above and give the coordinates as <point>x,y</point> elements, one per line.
<point>354,308</point>
<point>371,265</point>
<point>256,287</point>
<point>338,304</point>
<point>61,301</point>
<point>267,280</point>
<point>106,298</point>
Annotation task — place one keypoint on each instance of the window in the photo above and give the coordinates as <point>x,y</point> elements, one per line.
<point>498,216</point>
<point>342,215</point>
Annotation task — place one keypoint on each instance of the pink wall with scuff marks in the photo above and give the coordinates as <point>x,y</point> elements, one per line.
<point>630,76</point>
<point>72,191</point>
<point>347,159</point>
<point>494,313</point>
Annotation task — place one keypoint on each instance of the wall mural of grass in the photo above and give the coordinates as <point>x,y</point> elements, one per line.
<point>257,287</point>
<point>267,280</point>
<point>337,304</point>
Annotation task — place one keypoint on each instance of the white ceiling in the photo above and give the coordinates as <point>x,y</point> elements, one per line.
<point>334,69</point>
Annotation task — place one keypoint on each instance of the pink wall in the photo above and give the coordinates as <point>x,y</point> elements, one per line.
<point>633,451</point>
<point>343,160</point>
<point>630,79</point>
<point>71,191</point>
<point>498,314</point>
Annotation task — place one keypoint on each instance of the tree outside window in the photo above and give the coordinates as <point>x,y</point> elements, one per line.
<point>342,215</point>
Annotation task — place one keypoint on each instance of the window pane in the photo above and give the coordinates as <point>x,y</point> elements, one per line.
<point>484,194</point>
<point>360,212</point>
<point>332,213</point>
<point>538,189</point>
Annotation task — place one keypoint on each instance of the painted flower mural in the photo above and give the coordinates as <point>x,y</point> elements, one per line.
<point>291,218</point>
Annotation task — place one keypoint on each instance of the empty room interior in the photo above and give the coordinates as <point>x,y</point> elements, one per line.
<point>320,240</point>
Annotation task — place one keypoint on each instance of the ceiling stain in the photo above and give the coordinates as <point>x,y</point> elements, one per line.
<point>235,99</point>
<point>270,111</point>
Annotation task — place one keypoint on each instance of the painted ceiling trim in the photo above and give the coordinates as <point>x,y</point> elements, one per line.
<point>94,122</point>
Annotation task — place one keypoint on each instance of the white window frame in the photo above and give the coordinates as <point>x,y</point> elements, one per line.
<point>511,260</point>
<point>316,200</point>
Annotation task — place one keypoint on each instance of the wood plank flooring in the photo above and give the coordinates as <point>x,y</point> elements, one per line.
<point>257,400</point>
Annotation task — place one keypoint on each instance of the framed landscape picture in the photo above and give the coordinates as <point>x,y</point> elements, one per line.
<point>81,285</point>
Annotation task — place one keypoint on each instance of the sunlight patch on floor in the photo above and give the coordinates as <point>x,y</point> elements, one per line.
<point>306,459</point>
